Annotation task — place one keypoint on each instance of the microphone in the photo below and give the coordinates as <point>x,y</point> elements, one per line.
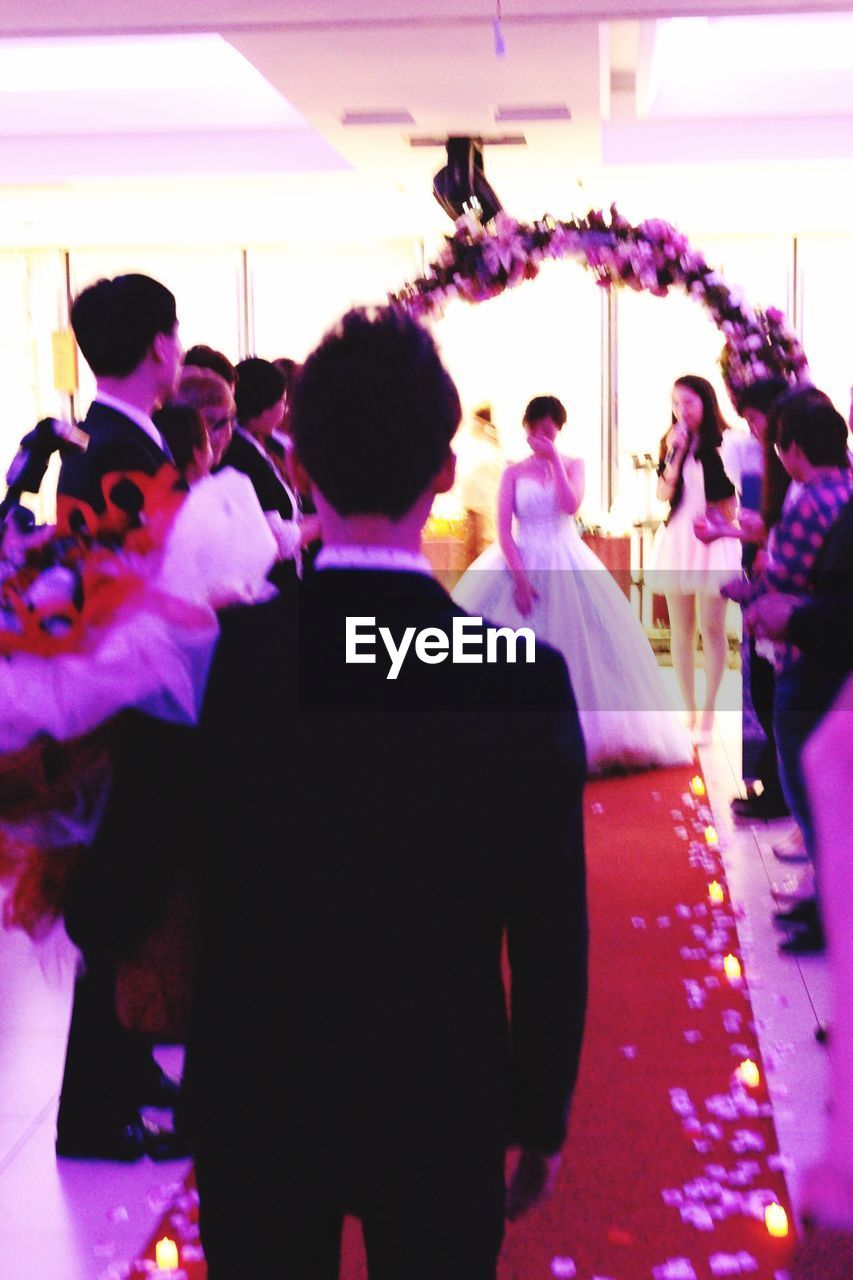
<point>672,450</point>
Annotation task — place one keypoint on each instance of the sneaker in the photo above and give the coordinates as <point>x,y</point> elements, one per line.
<point>791,848</point>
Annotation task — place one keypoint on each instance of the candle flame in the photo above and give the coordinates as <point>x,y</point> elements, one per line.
<point>711,836</point>
<point>732,968</point>
<point>776,1221</point>
<point>716,892</point>
<point>166,1255</point>
<point>697,785</point>
<point>749,1074</point>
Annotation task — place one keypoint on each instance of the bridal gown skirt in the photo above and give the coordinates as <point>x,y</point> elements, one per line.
<point>627,718</point>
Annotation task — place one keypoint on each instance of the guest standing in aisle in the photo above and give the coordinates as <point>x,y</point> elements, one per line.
<point>692,479</point>
<point>761,482</point>
<point>260,401</point>
<point>352,1048</point>
<point>127,330</point>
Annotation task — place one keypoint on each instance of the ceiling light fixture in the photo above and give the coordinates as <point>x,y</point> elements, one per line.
<point>379,116</point>
<point>534,114</point>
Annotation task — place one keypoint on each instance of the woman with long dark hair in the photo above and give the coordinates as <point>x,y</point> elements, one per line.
<point>692,479</point>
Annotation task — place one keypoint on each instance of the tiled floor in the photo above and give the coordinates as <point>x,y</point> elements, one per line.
<point>790,997</point>
<point>75,1220</point>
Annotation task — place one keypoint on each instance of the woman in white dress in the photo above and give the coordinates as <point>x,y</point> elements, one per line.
<point>542,575</point>
<point>692,479</point>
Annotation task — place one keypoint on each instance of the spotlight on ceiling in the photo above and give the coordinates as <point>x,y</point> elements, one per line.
<point>461,186</point>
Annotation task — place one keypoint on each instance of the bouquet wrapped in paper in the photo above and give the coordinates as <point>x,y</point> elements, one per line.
<point>99,615</point>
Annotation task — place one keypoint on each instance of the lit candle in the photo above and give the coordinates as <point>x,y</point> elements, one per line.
<point>697,785</point>
<point>711,836</point>
<point>716,892</point>
<point>732,968</point>
<point>776,1221</point>
<point>748,1073</point>
<point>166,1255</point>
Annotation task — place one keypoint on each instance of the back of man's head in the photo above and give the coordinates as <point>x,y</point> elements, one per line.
<point>760,395</point>
<point>374,412</point>
<point>116,321</point>
<point>259,386</point>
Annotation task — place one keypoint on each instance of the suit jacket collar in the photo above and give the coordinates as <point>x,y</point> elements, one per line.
<point>107,420</point>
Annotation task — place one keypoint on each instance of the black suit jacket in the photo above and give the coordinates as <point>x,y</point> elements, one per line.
<point>366,848</point>
<point>115,444</point>
<point>272,495</point>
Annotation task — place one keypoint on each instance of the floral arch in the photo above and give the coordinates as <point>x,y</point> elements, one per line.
<point>476,264</point>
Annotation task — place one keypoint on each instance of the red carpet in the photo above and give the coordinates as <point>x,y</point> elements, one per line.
<point>669,1160</point>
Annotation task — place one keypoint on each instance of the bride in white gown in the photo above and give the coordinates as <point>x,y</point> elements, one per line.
<point>541,574</point>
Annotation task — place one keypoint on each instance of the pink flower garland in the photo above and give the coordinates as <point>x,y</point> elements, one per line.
<point>652,257</point>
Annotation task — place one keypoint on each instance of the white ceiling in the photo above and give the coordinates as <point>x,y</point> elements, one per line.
<point>95,149</point>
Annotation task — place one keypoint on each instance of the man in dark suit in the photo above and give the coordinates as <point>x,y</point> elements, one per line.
<point>127,330</point>
<point>260,398</point>
<point>379,811</point>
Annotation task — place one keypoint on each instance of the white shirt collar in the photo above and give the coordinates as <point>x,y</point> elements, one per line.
<point>256,444</point>
<point>136,415</point>
<point>370,557</point>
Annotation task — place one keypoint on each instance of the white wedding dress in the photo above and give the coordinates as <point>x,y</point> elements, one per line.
<point>627,719</point>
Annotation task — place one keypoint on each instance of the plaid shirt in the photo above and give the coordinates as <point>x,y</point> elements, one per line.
<point>796,542</point>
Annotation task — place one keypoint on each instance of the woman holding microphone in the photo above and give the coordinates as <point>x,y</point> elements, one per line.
<point>691,478</point>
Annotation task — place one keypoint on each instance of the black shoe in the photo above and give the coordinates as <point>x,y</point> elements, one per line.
<point>126,1143</point>
<point>759,808</point>
<point>157,1089</point>
<point>805,942</point>
<point>804,913</point>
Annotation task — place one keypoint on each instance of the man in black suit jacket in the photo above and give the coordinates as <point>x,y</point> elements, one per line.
<point>260,397</point>
<point>127,330</point>
<point>378,813</point>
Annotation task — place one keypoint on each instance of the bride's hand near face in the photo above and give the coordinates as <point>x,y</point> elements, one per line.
<point>543,447</point>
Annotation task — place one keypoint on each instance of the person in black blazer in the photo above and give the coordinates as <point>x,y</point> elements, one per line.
<point>260,401</point>
<point>127,330</point>
<point>373,832</point>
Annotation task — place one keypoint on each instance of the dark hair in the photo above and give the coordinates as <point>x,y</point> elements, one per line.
<point>288,369</point>
<point>259,386</point>
<point>545,407</point>
<point>713,423</point>
<point>203,357</point>
<point>718,486</point>
<point>182,427</point>
<point>374,412</point>
<point>760,395</point>
<point>774,485</point>
<point>116,321</point>
<point>808,418</point>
